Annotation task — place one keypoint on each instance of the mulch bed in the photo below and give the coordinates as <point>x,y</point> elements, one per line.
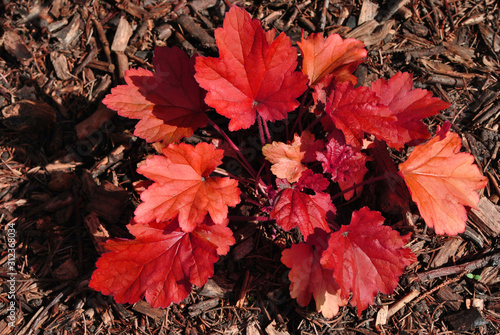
<point>68,164</point>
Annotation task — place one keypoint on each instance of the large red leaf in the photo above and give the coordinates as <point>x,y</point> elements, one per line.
<point>309,279</point>
<point>253,73</point>
<point>333,55</point>
<point>161,263</point>
<point>409,106</point>
<point>366,257</point>
<point>296,208</point>
<point>356,111</point>
<point>183,186</point>
<point>169,102</point>
<point>345,163</point>
<point>442,181</point>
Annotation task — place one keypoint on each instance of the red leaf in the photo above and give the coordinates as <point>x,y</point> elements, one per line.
<point>253,74</point>
<point>333,55</point>
<point>161,263</point>
<point>345,163</point>
<point>366,257</point>
<point>442,181</point>
<point>356,111</point>
<point>295,208</point>
<point>309,279</point>
<point>183,186</point>
<point>168,103</point>
<point>409,106</point>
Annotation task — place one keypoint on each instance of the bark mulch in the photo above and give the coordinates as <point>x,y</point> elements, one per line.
<point>68,164</point>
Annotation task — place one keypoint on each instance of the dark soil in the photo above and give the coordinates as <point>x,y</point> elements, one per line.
<point>68,165</point>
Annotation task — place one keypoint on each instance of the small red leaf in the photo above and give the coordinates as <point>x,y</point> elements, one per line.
<point>366,257</point>
<point>409,106</point>
<point>345,163</point>
<point>169,103</point>
<point>309,279</point>
<point>355,111</point>
<point>161,263</point>
<point>295,208</point>
<point>253,74</point>
<point>183,186</point>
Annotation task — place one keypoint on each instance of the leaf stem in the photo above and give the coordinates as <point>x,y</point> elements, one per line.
<point>366,182</point>
<point>261,131</point>
<point>243,160</point>
<point>249,218</point>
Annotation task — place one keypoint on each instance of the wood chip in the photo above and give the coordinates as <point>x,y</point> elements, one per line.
<point>451,298</point>
<point>29,116</point>
<point>272,329</point>
<point>202,306</point>
<point>487,217</point>
<point>144,308</point>
<point>60,64</point>
<point>448,250</point>
<point>97,231</point>
<point>122,36</point>
<point>14,45</point>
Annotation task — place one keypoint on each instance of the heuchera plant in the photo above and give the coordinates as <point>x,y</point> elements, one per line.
<point>180,228</point>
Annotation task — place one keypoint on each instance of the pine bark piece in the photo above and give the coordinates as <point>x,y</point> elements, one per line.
<point>213,290</point>
<point>448,250</point>
<point>453,300</point>
<point>122,36</point>
<point>144,308</point>
<point>202,306</point>
<point>196,31</point>
<point>465,320</point>
<point>94,122</point>
<point>108,201</point>
<point>29,116</point>
<point>14,44</point>
<point>272,329</point>
<point>487,218</point>
<point>97,231</point>
<point>60,64</point>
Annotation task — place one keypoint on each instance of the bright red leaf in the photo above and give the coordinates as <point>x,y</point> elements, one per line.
<point>409,106</point>
<point>345,163</point>
<point>356,111</point>
<point>334,55</point>
<point>183,186</point>
<point>442,181</point>
<point>169,102</point>
<point>309,279</point>
<point>253,74</point>
<point>161,263</point>
<point>296,208</point>
<point>366,257</point>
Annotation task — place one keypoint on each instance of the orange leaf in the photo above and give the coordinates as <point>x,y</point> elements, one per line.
<point>183,186</point>
<point>333,55</point>
<point>442,181</point>
<point>287,158</point>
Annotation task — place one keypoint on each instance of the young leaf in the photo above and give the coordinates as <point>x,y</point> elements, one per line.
<point>183,186</point>
<point>287,158</point>
<point>356,111</point>
<point>296,208</point>
<point>333,55</point>
<point>366,257</point>
<point>442,181</point>
<point>253,73</point>
<point>345,163</point>
<point>169,103</point>
<point>409,106</point>
<point>161,263</point>
<point>309,279</point>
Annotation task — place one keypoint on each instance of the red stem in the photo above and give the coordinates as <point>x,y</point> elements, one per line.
<point>365,182</point>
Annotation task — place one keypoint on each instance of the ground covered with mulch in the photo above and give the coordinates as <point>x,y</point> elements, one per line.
<point>68,166</point>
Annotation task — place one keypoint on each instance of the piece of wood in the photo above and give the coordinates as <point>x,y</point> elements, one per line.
<point>451,298</point>
<point>108,201</point>
<point>465,320</point>
<point>60,64</point>
<point>122,36</point>
<point>94,122</point>
<point>14,44</point>
<point>29,116</point>
<point>368,11</point>
<point>273,329</point>
<point>144,308</point>
<point>98,233</point>
<point>448,250</point>
<point>487,217</point>
<point>196,309</point>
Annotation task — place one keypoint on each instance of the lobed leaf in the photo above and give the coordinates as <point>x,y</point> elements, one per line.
<point>169,102</point>
<point>254,74</point>
<point>161,263</point>
<point>442,181</point>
